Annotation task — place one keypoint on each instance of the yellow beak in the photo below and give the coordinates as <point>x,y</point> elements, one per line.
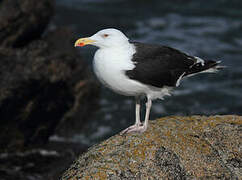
<point>83,41</point>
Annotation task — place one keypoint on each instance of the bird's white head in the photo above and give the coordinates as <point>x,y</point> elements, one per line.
<point>105,38</point>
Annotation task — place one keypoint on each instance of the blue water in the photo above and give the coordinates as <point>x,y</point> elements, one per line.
<point>208,29</point>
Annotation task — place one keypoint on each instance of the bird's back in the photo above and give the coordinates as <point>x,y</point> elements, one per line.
<point>161,66</point>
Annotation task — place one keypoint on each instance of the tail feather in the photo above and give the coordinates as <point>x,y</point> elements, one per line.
<point>208,66</point>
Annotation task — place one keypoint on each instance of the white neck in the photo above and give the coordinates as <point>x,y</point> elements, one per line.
<point>116,56</point>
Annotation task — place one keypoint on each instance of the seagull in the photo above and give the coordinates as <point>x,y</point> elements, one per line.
<point>141,70</point>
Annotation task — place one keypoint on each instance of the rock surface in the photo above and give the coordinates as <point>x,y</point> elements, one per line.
<point>172,148</point>
<point>44,84</point>
<point>39,85</point>
<point>21,21</point>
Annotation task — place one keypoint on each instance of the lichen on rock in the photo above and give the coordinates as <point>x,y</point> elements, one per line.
<point>172,148</point>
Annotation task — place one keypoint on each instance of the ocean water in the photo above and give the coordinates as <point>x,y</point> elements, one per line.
<point>208,29</point>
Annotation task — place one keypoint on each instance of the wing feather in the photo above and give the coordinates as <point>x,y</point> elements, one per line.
<point>159,65</point>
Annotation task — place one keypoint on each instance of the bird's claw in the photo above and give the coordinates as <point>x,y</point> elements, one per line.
<point>140,128</point>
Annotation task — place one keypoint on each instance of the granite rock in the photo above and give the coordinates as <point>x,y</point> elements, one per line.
<point>196,147</point>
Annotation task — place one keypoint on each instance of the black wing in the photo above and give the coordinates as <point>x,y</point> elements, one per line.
<point>159,65</point>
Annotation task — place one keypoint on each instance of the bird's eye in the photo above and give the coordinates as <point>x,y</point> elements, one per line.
<point>105,35</point>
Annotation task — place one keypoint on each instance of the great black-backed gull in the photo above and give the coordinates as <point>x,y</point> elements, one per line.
<point>139,69</point>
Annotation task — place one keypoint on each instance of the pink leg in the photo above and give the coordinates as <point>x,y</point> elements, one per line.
<point>139,127</point>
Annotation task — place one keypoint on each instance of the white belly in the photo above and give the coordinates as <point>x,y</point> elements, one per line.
<point>111,72</point>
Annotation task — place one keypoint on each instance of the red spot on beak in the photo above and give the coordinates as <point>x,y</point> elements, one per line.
<point>81,44</point>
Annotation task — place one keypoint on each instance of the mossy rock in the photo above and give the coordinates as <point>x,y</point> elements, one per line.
<point>172,148</point>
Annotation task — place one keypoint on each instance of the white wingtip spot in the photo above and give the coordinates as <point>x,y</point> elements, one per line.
<point>199,60</point>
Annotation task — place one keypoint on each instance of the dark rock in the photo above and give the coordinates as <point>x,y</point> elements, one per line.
<point>21,21</point>
<point>40,85</point>
<point>195,147</point>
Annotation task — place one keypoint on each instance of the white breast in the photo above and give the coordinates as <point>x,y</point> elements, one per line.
<point>110,66</point>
